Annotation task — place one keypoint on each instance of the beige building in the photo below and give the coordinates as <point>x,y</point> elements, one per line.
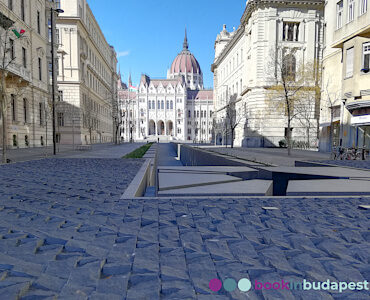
<point>345,107</point>
<point>25,68</point>
<point>87,78</point>
<point>229,70</point>
<point>244,67</point>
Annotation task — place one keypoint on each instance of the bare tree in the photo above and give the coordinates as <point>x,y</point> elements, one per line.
<point>331,99</point>
<point>90,116</point>
<point>308,108</point>
<point>289,84</point>
<point>234,116</point>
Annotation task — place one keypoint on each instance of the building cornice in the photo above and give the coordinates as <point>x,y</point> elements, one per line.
<point>252,4</point>
<point>237,36</point>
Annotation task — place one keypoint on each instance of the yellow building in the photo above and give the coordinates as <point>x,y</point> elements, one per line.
<point>345,104</point>
<point>24,70</point>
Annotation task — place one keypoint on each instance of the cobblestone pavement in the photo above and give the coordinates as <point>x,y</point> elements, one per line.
<point>362,164</point>
<point>65,233</point>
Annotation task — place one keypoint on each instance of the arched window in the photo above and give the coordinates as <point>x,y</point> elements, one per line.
<point>189,114</point>
<point>289,67</point>
<point>153,104</point>
<point>171,105</point>
<point>168,104</point>
<point>197,113</point>
<point>201,113</point>
<point>150,104</point>
<point>158,104</point>
<point>162,104</point>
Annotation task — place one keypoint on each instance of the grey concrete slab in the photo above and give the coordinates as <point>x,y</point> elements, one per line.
<point>323,171</point>
<point>225,169</point>
<point>272,156</point>
<point>166,155</point>
<point>329,187</point>
<point>174,180</point>
<point>240,188</point>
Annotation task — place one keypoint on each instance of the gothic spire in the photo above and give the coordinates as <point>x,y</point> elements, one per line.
<point>185,44</point>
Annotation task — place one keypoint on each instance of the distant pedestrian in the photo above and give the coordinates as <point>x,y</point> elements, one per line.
<point>158,140</point>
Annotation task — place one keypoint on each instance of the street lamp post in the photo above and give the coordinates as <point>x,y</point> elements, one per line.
<point>52,71</point>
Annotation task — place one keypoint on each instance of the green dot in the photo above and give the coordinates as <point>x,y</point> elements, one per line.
<point>229,285</point>
<point>244,285</point>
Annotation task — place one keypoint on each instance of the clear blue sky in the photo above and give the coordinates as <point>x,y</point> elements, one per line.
<point>147,35</point>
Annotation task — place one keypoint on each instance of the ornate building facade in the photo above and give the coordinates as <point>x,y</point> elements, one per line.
<point>27,85</point>
<point>87,78</point>
<point>243,67</point>
<point>175,108</point>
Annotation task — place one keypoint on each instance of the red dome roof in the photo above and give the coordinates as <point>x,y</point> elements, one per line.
<point>185,62</point>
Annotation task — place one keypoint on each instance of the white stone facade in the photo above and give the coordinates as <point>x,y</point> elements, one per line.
<point>176,108</point>
<point>267,27</point>
<point>87,78</point>
<point>346,75</point>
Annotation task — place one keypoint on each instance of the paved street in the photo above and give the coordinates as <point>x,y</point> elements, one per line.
<point>103,150</point>
<point>64,232</point>
<point>271,156</point>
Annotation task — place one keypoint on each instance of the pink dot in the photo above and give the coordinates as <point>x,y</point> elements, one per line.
<point>215,284</point>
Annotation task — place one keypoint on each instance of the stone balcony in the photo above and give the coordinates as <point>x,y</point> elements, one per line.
<point>17,70</point>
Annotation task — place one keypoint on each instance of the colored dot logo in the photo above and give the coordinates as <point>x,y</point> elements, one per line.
<point>215,284</point>
<point>229,285</point>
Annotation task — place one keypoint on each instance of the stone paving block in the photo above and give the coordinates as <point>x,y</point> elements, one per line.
<point>73,291</point>
<point>277,238</point>
<point>114,284</point>
<point>173,274</point>
<point>305,262</point>
<point>336,250</point>
<point>47,282</point>
<point>219,250</point>
<point>106,296</point>
<point>177,290</point>
<point>14,291</point>
<point>227,228</point>
<point>274,257</point>
<point>243,250</point>
<point>173,258</point>
<point>40,294</point>
<point>143,288</point>
<point>191,241</point>
<point>61,268</point>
